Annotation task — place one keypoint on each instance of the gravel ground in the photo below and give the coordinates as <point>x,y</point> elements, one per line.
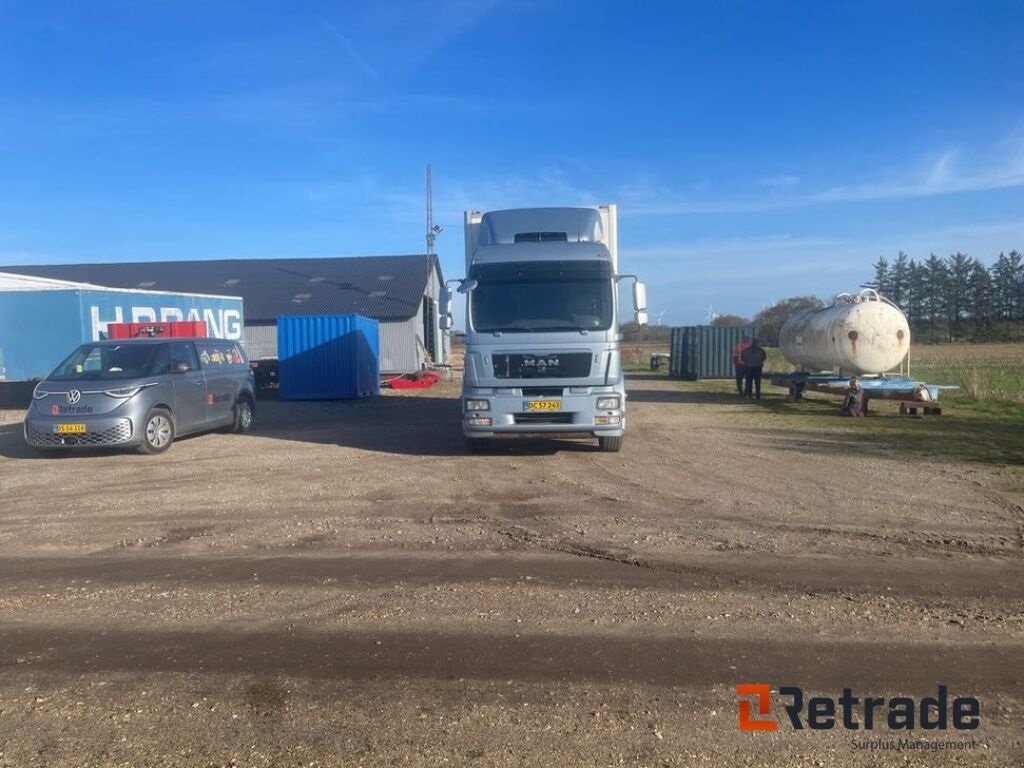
<point>345,587</point>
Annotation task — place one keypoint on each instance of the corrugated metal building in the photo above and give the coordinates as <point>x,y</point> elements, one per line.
<point>401,292</point>
<point>705,351</point>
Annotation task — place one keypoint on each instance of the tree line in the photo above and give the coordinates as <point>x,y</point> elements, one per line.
<point>957,298</point>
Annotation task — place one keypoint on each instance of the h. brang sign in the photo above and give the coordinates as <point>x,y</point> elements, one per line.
<point>221,323</point>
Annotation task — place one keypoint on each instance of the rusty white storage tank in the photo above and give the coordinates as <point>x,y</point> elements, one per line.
<point>857,334</point>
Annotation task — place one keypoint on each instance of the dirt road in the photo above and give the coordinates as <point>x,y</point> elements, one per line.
<point>345,587</point>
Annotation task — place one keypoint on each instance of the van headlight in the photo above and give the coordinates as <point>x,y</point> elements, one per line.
<point>122,394</point>
<point>609,403</point>
<point>37,395</point>
<point>126,393</point>
<point>478,405</point>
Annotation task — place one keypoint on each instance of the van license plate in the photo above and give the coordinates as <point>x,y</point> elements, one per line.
<point>69,429</point>
<point>543,405</point>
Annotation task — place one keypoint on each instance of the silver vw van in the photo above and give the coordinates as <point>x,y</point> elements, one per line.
<point>141,393</point>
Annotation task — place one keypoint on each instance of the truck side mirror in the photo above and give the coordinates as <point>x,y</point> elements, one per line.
<point>444,320</point>
<point>639,297</point>
<point>641,318</point>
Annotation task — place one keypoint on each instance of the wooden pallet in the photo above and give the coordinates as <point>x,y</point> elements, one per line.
<point>927,408</point>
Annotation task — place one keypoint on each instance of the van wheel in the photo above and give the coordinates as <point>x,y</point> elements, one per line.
<point>610,444</point>
<point>157,432</point>
<point>243,416</point>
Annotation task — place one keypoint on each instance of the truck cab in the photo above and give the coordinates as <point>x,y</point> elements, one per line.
<point>542,325</point>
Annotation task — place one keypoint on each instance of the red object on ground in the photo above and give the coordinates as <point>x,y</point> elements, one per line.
<point>192,329</point>
<point>418,380</point>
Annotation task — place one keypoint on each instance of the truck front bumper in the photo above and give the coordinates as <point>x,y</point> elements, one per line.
<point>509,414</point>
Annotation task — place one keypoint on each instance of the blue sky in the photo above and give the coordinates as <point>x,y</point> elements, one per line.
<point>756,150</point>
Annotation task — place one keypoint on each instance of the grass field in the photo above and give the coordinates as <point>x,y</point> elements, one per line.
<point>982,422</point>
<point>983,372</point>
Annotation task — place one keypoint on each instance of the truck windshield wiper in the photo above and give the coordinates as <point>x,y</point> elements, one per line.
<point>535,329</point>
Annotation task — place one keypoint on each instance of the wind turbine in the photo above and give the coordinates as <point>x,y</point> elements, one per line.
<point>711,315</point>
<point>659,316</point>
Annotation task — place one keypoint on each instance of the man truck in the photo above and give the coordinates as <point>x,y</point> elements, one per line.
<point>542,325</point>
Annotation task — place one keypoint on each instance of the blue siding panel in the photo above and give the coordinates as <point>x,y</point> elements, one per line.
<point>38,329</point>
<point>327,357</point>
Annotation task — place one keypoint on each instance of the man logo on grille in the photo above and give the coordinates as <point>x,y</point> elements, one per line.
<point>74,396</point>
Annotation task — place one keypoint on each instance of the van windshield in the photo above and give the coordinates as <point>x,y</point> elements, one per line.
<point>102,362</point>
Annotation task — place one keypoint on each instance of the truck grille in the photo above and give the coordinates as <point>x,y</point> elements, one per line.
<point>559,365</point>
<point>543,418</point>
<point>543,391</point>
<point>120,432</point>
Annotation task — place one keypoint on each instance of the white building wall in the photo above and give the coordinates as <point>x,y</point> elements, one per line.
<point>401,345</point>
<point>261,341</point>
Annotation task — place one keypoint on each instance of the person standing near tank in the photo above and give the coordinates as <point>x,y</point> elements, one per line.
<point>737,359</point>
<point>753,358</point>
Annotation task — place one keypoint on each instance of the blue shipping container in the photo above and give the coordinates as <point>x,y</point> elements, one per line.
<point>327,357</point>
<point>39,328</point>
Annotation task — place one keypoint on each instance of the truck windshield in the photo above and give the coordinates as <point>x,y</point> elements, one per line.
<point>92,362</point>
<point>542,296</point>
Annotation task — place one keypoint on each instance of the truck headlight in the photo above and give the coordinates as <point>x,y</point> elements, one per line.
<point>478,405</point>
<point>608,403</point>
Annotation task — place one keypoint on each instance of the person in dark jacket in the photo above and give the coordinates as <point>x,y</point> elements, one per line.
<point>737,360</point>
<point>753,361</point>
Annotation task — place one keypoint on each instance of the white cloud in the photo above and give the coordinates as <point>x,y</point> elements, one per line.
<point>942,177</point>
<point>713,250</point>
<point>951,171</point>
<point>349,48</point>
<point>781,181</point>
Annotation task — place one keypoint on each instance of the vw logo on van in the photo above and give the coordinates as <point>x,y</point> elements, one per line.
<point>74,396</point>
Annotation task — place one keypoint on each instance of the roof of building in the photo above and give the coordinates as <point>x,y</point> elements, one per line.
<point>12,282</point>
<point>381,287</point>
<point>28,283</point>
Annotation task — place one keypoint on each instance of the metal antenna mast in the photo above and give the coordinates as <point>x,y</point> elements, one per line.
<point>433,230</point>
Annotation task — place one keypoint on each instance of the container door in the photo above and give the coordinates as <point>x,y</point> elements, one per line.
<point>189,388</point>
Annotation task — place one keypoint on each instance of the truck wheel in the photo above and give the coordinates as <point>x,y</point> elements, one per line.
<point>243,416</point>
<point>610,444</point>
<point>478,444</point>
<point>157,432</point>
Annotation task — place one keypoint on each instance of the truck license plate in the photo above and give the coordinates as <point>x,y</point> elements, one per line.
<point>543,405</point>
<point>69,429</point>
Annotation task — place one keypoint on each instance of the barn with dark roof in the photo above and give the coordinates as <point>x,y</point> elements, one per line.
<point>401,292</point>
